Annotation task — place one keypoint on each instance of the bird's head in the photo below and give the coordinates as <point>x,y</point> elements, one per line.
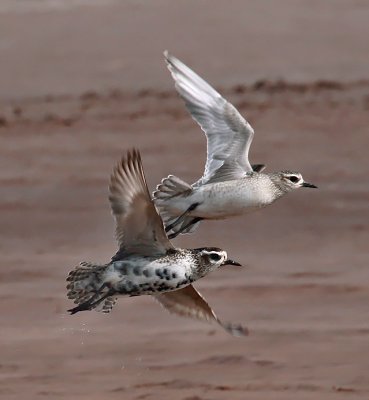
<point>211,258</point>
<point>288,180</point>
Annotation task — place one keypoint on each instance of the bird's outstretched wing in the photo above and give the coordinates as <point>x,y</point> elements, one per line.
<point>139,228</point>
<point>188,302</point>
<point>228,134</point>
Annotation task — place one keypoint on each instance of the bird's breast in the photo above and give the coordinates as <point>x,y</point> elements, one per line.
<point>141,277</point>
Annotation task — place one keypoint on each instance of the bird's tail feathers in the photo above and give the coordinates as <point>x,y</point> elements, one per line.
<point>169,187</point>
<point>86,287</point>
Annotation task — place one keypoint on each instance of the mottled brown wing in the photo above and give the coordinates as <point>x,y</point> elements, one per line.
<point>188,302</point>
<point>139,228</point>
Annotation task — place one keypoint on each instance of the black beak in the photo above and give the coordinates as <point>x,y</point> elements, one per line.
<point>309,185</point>
<point>231,262</point>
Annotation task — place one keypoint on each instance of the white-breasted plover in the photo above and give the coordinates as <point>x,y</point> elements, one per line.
<point>146,262</point>
<point>230,186</point>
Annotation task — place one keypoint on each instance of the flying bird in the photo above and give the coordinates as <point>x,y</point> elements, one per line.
<point>230,185</point>
<point>146,263</point>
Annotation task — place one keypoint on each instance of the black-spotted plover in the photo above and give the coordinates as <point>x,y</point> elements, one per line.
<point>230,186</point>
<point>146,262</point>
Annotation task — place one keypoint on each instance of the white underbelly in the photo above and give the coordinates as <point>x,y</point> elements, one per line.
<point>224,209</point>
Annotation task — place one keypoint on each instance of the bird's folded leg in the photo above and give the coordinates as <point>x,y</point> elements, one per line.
<point>89,304</point>
<point>181,217</point>
<point>192,222</point>
<point>110,292</point>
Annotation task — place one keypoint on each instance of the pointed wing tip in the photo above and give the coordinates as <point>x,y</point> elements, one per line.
<point>236,329</point>
<point>173,63</point>
<point>169,59</point>
<point>130,156</point>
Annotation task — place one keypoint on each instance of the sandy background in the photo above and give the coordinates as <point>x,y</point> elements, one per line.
<point>83,81</point>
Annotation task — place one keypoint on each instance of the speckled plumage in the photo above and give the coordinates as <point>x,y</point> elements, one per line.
<point>146,262</point>
<point>136,275</point>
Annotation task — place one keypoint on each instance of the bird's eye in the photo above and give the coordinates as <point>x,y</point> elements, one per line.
<point>215,257</point>
<point>294,179</point>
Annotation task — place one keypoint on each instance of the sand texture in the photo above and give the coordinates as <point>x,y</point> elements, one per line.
<point>83,82</point>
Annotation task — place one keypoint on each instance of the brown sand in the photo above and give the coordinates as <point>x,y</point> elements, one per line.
<point>81,85</point>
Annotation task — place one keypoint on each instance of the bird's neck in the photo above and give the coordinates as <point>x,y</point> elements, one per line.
<point>278,187</point>
<point>199,270</point>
